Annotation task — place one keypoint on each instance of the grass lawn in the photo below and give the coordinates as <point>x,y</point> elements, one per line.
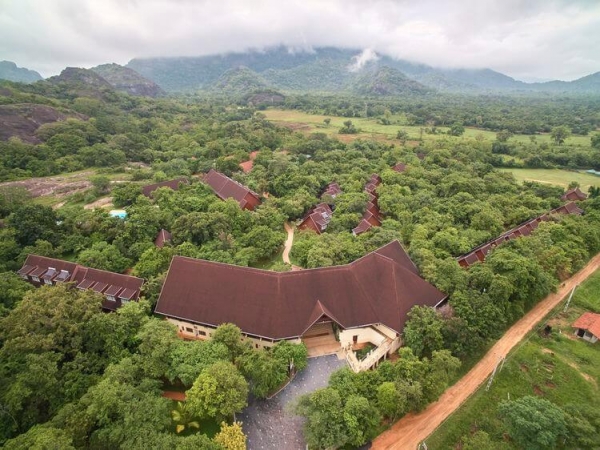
<point>371,129</point>
<point>558,177</point>
<point>560,368</point>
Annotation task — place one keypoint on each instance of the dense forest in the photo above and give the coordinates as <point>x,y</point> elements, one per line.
<point>74,377</point>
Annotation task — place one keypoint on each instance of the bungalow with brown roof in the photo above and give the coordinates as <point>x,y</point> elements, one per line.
<point>400,167</point>
<point>116,288</point>
<point>366,301</point>
<point>479,253</point>
<point>587,327</point>
<point>172,184</point>
<point>371,217</point>
<point>226,188</point>
<point>573,195</point>
<point>317,218</point>
<point>163,237</point>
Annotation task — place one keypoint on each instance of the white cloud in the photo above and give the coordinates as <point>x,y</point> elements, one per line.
<point>523,38</point>
<point>359,61</point>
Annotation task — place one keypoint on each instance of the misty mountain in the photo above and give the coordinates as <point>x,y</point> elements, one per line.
<point>9,71</point>
<point>333,70</point>
<point>386,81</point>
<point>77,82</point>
<point>127,80</point>
<point>239,81</point>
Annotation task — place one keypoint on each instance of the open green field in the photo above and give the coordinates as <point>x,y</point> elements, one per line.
<point>558,177</point>
<point>370,128</point>
<point>558,367</point>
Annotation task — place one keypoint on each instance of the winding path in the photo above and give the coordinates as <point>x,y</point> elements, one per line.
<point>412,429</point>
<point>288,245</point>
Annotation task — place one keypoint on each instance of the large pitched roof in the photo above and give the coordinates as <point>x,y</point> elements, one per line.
<point>479,253</point>
<point>590,322</point>
<point>173,184</point>
<point>226,188</point>
<point>380,287</point>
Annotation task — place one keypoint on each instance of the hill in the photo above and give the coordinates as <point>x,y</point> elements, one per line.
<point>9,71</point>
<point>22,120</point>
<point>127,80</point>
<point>239,81</point>
<point>330,69</point>
<point>386,81</point>
<point>77,82</point>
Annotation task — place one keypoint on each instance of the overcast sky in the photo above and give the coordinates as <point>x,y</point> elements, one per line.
<point>526,39</point>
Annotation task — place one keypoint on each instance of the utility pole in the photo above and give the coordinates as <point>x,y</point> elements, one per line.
<point>499,363</point>
<point>570,297</point>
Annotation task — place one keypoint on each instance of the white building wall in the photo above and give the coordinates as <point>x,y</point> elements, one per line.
<point>364,335</point>
<point>188,330</point>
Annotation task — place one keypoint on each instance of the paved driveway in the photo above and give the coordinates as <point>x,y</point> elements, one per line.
<point>267,423</point>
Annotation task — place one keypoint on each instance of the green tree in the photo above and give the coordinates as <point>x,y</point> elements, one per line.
<point>533,423</point>
<point>360,419</point>
<point>560,134</point>
<point>348,128</point>
<point>595,140</point>
<point>230,336</point>
<point>231,437</point>
<point>183,418</point>
<point>218,392</point>
<point>41,437</point>
<point>402,136</point>
<point>390,401</point>
<point>504,135</point>
<point>12,290</point>
<point>457,129</point>
<point>423,331</point>
<point>158,339</point>
<point>104,256</point>
<point>327,120</point>
<point>325,427</point>
<point>34,222</point>
<point>101,184</point>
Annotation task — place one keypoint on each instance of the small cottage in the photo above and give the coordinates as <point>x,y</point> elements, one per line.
<point>587,327</point>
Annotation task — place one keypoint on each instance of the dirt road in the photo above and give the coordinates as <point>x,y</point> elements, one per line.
<point>413,429</point>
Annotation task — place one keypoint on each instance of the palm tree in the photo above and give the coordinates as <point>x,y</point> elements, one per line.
<point>183,419</point>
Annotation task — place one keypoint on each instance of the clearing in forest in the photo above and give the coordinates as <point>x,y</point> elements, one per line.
<point>557,177</point>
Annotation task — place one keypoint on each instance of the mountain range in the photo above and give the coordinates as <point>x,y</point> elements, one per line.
<point>279,70</point>
<point>339,70</point>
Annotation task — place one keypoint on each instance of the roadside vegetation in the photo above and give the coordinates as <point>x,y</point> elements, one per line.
<point>546,394</point>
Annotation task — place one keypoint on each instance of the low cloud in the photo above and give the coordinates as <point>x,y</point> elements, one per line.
<point>522,38</point>
<point>359,61</point>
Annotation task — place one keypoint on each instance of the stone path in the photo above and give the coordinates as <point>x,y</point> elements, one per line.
<point>269,425</point>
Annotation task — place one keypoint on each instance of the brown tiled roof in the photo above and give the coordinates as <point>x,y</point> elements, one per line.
<point>247,166</point>
<point>317,218</point>
<point>332,189</point>
<point>573,195</point>
<point>590,322</point>
<point>100,281</point>
<point>381,287</point>
<point>371,217</point>
<point>400,167</point>
<point>523,229</point>
<point>173,184</point>
<point>226,188</point>
<point>162,238</point>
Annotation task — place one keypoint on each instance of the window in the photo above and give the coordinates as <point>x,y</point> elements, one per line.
<point>35,279</point>
<point>47,281</point>
<point>124,300</point>
<point>256,345</point>
<point>110,298</point>
<point>202,333</point>
<point>189,330</point>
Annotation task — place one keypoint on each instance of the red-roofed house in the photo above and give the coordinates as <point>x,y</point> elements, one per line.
<point>367,300</point>
<point>371,217</point>
<point>400,167</point>
<point>226,188</point>
<point>163,237</point>
<point>573,195</point>
<point>588,327</point>
<point>317,218</point>
<point>116,288</point>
